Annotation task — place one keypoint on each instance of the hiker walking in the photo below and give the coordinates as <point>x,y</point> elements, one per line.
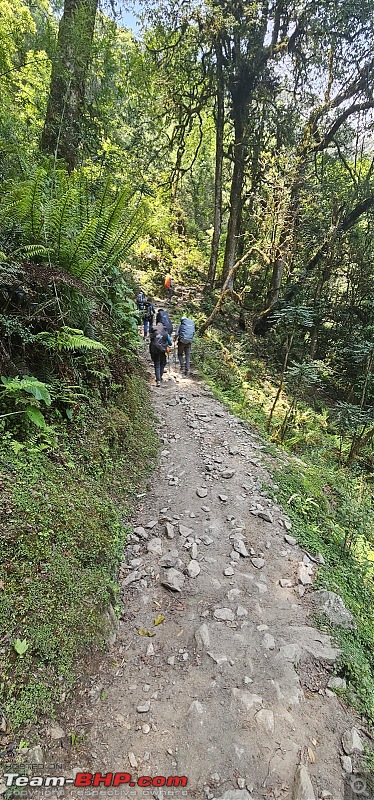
<point>163,317</point>
<point>185,332</point>
<point>169,285</point>
<point>160,340</point>
<point>140,300</point>
<point>148,316</point>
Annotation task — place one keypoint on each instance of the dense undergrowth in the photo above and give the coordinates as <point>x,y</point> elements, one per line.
<point>330,505</point>
<point>77,436</point>
<point>63,515</point>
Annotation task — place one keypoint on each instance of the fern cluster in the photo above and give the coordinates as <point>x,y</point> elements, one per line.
<point>59,220</point>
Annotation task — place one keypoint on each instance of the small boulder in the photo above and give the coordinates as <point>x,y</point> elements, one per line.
<point>247,699</point>
<point>265,718</point>
<point>332,605</point>
<point>140,531</point>
<point>352,742</point>
<point>193,569</point>
<point>302,787</point>
<point>143,708</point>
<point>227,473</point>
<point>201,491</point>
<point>202,636</point>
<point>172,579</point>
<point>337,683</point>
<point>305,574</point>
<point>265,515</point>
<point>224,614</point>
<point>169,530</point>
<point>155,546</point>
<point>240,548</point>
<point>346,763</point>
<point>258,562</point>
<point>218,658</point>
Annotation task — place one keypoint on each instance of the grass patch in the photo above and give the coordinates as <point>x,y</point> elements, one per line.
<point>330,507</point>
<point>63,515</point>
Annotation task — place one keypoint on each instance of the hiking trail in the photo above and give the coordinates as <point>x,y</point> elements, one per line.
<point>231,690</point>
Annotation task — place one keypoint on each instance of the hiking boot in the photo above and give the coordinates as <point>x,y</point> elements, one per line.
<point>158,383</point>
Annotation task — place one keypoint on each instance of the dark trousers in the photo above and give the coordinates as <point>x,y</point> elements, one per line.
<point>184,349</point>
<point>148,325</point>
<point>159,362</point>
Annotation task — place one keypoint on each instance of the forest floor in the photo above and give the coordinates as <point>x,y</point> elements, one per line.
<point>225,681</point>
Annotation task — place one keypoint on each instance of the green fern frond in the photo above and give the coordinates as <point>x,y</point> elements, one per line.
<point>31,251</point>
<point>69,339</point>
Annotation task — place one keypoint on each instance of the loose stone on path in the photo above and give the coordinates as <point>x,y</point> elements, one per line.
<point>193,569</point>
<point>224,614</point>
<point>302,788</point>
<point>155,546</point>
<point>172,579</point>
<point>240,548</point>
<point>258,562</point>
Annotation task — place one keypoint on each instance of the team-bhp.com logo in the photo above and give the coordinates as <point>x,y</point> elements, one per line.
<point>95,779</point>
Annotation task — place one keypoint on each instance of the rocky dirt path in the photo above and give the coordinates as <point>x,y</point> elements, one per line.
<point>230,691</point>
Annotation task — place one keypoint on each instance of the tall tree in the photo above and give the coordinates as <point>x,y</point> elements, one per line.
<point>63,122</point>
<point>220,124</point>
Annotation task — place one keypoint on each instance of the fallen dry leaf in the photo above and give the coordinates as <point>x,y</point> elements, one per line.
<point>159,619</point>
<point>145,632</point>
<point>311,755</point>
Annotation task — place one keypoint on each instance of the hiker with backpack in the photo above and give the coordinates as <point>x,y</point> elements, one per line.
<point>160,341</point>
<point>148,316</point>
<point>169,285</point>
<point>185,333</point>
<point>163,317</point>
<point>140,301</point>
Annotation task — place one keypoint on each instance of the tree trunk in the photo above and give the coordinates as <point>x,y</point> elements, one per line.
<point>226,286</point>
<point>233,228</point>
<point>62,131</point>
<point>220,121</point>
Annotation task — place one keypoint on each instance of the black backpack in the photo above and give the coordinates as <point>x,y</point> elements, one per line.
<point>140,300</point>
<point>165,320</point>
<point>149,312</point>
<point>158,341</point>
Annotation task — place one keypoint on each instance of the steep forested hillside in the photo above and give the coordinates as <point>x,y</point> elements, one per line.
<point>231,144</point>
